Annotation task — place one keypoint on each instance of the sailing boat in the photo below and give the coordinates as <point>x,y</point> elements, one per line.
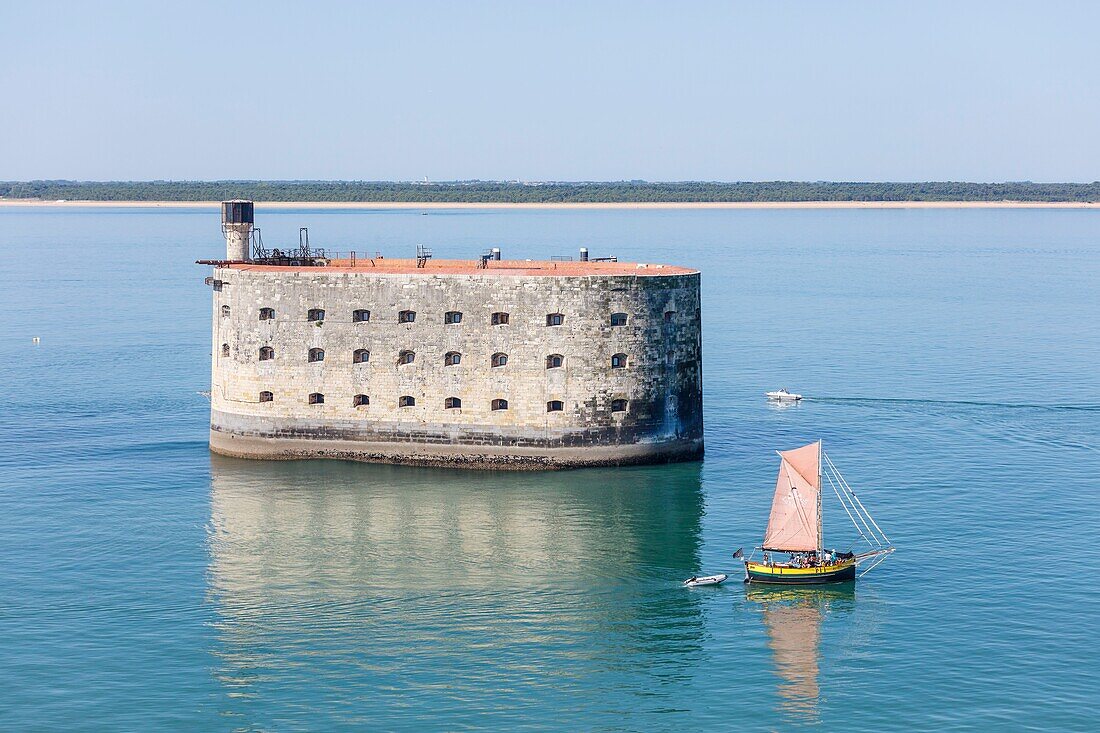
<point>795,525</point>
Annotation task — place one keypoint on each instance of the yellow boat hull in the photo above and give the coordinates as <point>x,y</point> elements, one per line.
<point>756,572</point>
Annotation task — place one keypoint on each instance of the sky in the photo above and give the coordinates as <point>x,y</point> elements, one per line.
<point>660,91</point>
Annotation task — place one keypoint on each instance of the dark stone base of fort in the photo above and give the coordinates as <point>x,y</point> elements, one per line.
<point>492,453</point>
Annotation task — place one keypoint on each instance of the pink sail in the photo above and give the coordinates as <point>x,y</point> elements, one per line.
<point>793,525</point>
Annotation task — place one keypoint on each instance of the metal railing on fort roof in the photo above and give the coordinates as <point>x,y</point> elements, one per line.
<point>306,256</point>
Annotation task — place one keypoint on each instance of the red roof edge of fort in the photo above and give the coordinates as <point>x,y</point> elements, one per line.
<point>383,266</point>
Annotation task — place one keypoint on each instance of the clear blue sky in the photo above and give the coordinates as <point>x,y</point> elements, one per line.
<point>882,90</point>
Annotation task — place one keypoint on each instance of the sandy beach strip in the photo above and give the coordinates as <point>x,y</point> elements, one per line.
<point>585,205</point>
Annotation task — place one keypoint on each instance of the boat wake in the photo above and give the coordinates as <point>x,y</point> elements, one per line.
<point>1085,407</point>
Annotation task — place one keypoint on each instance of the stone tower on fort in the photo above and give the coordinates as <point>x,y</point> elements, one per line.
<point>487,363</point>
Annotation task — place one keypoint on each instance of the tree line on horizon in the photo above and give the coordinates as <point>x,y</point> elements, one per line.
<point>549,192</point>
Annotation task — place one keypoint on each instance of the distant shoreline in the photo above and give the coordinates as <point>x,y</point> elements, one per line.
<point>559,194</point>
<point>376,205</point>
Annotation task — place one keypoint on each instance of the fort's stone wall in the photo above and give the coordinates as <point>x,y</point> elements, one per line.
<point>660,381</point>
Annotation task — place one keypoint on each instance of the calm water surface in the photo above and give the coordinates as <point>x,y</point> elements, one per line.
<point>951,357</point>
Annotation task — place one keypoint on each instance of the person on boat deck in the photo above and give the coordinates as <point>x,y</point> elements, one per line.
<point>767,560</point>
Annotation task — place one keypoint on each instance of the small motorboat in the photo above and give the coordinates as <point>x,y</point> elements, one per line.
<point>698,580</point>
<point>783,395</point>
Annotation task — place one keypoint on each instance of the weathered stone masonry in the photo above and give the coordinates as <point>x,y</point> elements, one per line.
<point>647,408</point>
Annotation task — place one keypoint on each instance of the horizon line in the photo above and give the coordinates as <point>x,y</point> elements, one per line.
<point>552,182</point>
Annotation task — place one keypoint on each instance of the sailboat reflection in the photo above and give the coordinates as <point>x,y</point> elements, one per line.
<point>413,575</point>
<point>793,618</point>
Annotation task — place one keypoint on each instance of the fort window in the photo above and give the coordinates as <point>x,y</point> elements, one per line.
<point>499,319</point>
<point>225,311</point>
<point>267,353</point>
<point>452,317</point>
<point>360,316</point>
<point>316,398</point>
<point>225,349</point>
<point>452,358</point>
<point>499,359</point>
<point>618,361</point>
<point>267,314</point>
<point>618,319</point>
<point>406,357</point>
<point>266,396</point>
<point>618,405</point>
<point>316,354</point>
<point>554,319</point>
<point>452,403</point>
<point>315,314</point>
<point>555,406</point>
<point>554,361</point>
<point>406,316</point>
<point>500,405</point>
<point>360,400</point>
<point>669,315</point>
<point>360,356</point>
<point>406,401</point>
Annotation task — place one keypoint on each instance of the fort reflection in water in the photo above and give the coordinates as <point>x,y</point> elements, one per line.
<point>397,580</point>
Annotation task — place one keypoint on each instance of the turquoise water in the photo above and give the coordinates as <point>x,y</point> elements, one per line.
<point>951,361</point>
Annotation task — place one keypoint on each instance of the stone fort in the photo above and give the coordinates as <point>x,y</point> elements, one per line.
<point>487,363</point>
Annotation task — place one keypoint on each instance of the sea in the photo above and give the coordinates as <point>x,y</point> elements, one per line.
<point>950,360</point>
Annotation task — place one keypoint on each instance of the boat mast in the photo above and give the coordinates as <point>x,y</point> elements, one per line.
<point>820,534</point>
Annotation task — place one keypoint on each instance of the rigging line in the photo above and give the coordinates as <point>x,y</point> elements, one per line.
<point>797,501</point>
<point>801,509</point>
<point>876,542</point>
<point>856,498</point>
<point>801,514</point>
<point>875,564</point>
<point>839,498</point>
<point>842,501</point>
<point>870,517</point>
<point>863,518</point>
<point>845,505</point>
<point>868,514</point>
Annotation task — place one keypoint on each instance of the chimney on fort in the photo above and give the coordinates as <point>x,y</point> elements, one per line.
<point>237,220</point>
